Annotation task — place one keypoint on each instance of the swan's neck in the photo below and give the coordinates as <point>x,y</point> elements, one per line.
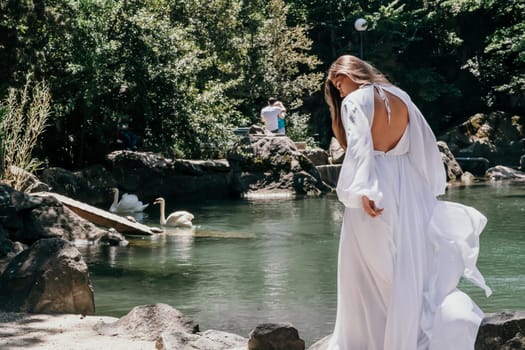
<point>162,213</point>
<point>115,199</point>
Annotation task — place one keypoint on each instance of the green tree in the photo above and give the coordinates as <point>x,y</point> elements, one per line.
<point>496,55</point>
<point>279,63</point>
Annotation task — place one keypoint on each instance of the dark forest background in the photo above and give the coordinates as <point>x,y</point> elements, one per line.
<point>182,74</point>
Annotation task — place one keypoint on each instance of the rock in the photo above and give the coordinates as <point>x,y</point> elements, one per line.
<point>6,246</point>
<point>98,180</point>
<point>275,336</point>
<point>208,340</point>
<point>259,130</point>
<point>474,165</point>
<point>150,175</point>
<point>317,156</point>
<point>337,153</point>
<point>273,164</point>
<point>467,178</point>
<point>522,162</point>
<point>300,145</point>
<point>148,322</point>
<point>29,218</point>
<point>48,277</point>
<point>200,167</point>
<point>501,172</point>
<point>502,331</point>
<point>496,136</point>
<point>113,238</point>
<point>31,183</point>
<point>58,220</point>
<point>8,250</point>
<point>452,167</point>
<point>89,185</point>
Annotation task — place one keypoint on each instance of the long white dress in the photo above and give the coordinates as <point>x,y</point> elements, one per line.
<point>398,272</point>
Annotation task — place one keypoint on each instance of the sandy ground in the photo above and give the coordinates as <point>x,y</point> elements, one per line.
<point>61,332</point>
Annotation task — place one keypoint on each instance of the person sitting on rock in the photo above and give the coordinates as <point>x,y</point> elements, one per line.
<point>270,114</point>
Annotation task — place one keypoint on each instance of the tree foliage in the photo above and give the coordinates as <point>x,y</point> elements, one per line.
<point>178,73</point>
<point>183,73</point>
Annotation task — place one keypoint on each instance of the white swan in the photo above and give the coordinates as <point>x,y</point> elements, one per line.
<point>129,203</point>
<point>179,218</point>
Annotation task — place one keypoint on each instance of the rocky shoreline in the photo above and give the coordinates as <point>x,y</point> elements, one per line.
<point>163,328</point>
<point>46,296</point>
<point>261,164</point>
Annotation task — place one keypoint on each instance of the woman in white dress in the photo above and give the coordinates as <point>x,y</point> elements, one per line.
<point>402,251</point>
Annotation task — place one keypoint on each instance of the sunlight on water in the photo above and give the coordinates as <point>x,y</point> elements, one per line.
<point>251,261</point>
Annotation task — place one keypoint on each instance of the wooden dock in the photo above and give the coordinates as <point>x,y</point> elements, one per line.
<point>101,217</point>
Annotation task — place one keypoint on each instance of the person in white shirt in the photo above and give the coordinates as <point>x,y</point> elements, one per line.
<point>271,113</point>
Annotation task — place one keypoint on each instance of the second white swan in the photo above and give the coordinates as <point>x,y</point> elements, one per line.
<point>179,218</point>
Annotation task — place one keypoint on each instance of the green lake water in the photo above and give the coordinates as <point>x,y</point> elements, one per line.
<point>250,262</point>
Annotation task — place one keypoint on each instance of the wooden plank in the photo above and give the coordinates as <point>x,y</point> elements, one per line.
<point>99,216</point>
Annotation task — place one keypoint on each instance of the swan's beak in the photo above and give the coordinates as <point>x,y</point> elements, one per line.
<point>156,201</point>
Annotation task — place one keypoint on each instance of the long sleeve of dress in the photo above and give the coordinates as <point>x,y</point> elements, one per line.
<point>357,177</point>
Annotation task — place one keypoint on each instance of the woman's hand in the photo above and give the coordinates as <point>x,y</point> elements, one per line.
<point>370,207</point>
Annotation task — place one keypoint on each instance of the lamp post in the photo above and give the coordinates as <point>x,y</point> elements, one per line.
<point>360,25</point>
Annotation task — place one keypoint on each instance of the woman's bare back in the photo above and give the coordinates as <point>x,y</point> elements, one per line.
<point>387,134</point>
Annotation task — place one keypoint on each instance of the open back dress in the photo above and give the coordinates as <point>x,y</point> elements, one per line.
<point>398,272</point>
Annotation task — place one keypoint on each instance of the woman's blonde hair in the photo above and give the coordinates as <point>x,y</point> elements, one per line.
<point>360,72</point>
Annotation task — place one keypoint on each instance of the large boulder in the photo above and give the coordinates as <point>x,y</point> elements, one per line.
<point>502,331</point>
<point>89,185</point>
<point>148,322</point>
<point>474,165</point>
<point>275,336</point>
<point>8,249</point>
<point>48,277</point>
<point>30,183</point>
<point>497,136</point>
<point>268,164</point>
<point>30,218</point>
<point>452,167</point>
<point>317,155</point>
<point>500,172</point>
<point>150,175</point>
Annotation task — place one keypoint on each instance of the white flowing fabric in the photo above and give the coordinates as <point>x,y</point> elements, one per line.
<point>398,272</point>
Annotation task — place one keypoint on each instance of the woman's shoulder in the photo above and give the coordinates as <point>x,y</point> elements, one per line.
<point>359,102</point>
<point>361,96</point>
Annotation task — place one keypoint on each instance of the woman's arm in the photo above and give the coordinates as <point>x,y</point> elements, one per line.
<point>357,186</point>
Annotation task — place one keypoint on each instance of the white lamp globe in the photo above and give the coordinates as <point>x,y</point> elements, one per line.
<point>360,24</point>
